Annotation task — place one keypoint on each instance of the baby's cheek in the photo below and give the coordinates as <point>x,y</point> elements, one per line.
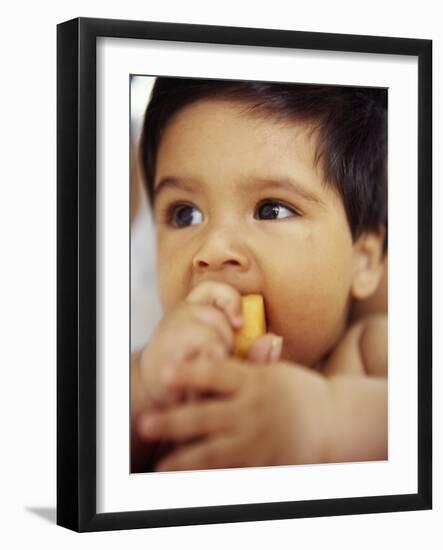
<point>172,270</point>
<point>168,296</point>
<point>166,288</point>
<point>310,323</point>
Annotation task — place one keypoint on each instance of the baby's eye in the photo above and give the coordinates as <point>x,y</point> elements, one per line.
<point>273,210</point>
<point>184,215</point>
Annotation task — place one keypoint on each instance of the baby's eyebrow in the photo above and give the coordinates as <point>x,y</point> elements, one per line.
<point>285,183</point>
<point>249,184</point>
<point>170,182</point>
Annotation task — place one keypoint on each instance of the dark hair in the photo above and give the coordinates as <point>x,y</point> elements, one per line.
<point>351,125</point>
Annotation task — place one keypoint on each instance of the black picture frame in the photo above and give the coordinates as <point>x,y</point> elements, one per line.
<point>76,273</point>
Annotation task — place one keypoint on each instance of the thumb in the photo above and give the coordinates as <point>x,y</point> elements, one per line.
<point>266,349</point>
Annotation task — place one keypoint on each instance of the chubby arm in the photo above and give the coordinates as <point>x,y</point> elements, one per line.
<point>357,379</point>
<point>358,430</point>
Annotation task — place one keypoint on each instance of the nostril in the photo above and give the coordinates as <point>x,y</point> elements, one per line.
<point>201,263</point>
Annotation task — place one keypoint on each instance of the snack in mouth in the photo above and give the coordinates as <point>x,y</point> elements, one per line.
<point>254,324</point>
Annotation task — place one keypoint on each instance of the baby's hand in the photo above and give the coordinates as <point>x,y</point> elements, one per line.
<point>202,324</point>
<point>261,416</point>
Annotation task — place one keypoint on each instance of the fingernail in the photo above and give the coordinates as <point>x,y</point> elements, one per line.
<point>276,347</point>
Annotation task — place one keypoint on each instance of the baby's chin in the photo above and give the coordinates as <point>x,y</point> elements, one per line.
<point>311,354</point>
<point>296,356</point>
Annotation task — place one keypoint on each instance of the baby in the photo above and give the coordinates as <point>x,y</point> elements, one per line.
<point>278,190</point>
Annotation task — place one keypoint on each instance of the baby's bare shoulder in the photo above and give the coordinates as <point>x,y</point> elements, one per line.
<point>362,350</point>
<point>374,345</point>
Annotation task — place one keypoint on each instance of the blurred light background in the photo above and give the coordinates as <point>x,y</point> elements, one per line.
<point>145,306</point>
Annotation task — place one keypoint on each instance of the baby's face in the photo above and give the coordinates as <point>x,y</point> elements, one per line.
<point>239,200</point>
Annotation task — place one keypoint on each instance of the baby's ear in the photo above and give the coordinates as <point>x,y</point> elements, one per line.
<point>368,263</point>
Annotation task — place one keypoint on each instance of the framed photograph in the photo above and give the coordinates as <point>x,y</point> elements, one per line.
<point>231,342</point>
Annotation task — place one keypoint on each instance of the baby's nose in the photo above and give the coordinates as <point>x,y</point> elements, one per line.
<point>220,251</point>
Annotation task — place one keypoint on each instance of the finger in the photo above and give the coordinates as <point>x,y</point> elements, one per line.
<point>187,421</point>
<point>217,452</point>
<point>212,317</point>
<point>222,296</point>
<point>193,341</point>
<point>266,349</point>
<point>202,376</point>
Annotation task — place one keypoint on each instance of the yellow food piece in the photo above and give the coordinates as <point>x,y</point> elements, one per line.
<point>254,324</point>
